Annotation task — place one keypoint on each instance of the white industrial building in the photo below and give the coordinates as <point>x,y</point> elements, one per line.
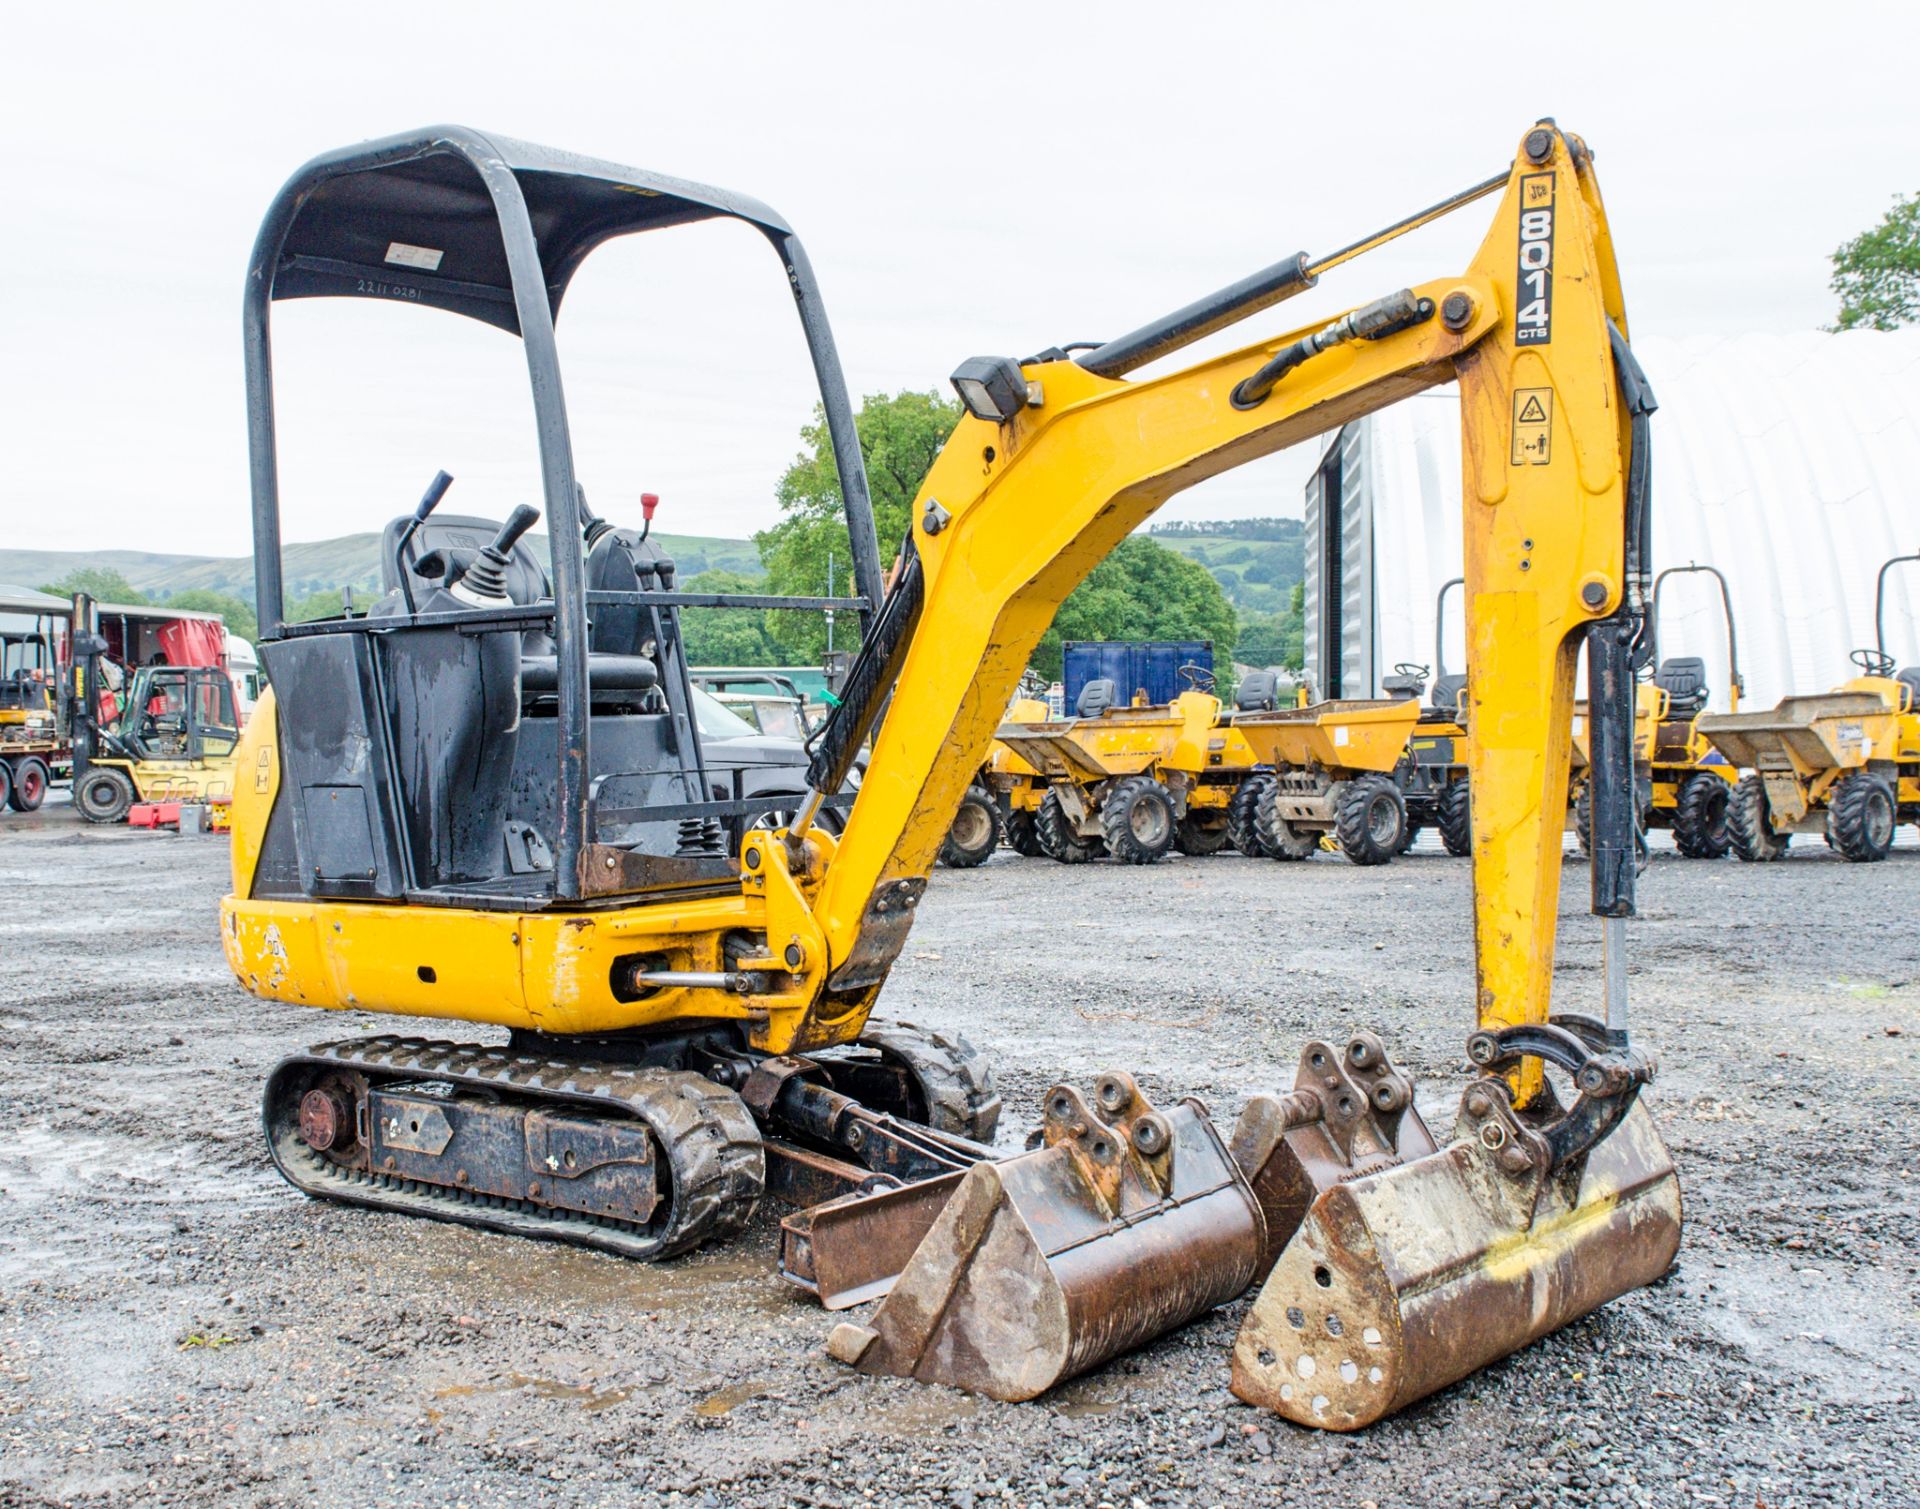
<point>1790,462</point>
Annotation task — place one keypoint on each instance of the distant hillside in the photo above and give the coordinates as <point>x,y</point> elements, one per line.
<point>1256,561</point>
<point>319,566</point>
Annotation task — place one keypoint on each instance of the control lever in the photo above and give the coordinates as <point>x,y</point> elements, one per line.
<point>593,528</point>
<point>484,583</point>
<point>429,500</point>
<point>648,503</point>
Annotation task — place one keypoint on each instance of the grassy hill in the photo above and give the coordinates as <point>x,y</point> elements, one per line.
<point>317,566</point>
<point>1256,561</point>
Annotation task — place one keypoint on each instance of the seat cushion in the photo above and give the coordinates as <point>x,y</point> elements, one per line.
<point>1910,679</point>
<point>1684,679</point>
<point>1096,697</point>
<point>605,673</point>
<point>1446,693</point>
<point>1258,692</point>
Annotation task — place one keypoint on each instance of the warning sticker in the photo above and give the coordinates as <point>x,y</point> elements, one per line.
<point>1532,426</point>
<point>426,258</point>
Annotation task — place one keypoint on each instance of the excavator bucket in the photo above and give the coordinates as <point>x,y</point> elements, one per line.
<point>1123,1224</point>
<point>1349,1114</point>
<point>1405,1280</point>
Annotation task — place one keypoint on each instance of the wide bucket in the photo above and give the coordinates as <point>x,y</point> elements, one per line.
<point>1404,1281</point>
<point>1124,1224</point>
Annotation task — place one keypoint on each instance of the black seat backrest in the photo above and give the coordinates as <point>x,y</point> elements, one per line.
<point>620,561</point>
<point>1446,692</point>
<point>1684,679</point>
<point>1259,692</point>
<point>1096,697</point>
<point>1910,679</point>
<point>451,542</point>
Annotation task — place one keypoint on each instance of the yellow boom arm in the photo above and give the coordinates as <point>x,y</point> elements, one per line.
<point>1013,515</point>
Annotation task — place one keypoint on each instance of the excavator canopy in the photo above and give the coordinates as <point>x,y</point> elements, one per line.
<point>423,218</point>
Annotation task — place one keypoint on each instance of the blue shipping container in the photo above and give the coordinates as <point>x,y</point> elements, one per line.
<point>1153,666</point>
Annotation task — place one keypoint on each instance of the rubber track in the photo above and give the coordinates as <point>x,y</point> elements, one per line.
<point>712,1145</point>
<point>957,1080</point>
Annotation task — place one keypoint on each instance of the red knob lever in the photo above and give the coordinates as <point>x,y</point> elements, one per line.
<point>648,503</point>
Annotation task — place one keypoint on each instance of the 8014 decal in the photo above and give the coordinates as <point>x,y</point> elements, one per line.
<point>1533,318</point>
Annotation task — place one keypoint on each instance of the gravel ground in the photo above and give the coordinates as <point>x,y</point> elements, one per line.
<point>177,1326</point>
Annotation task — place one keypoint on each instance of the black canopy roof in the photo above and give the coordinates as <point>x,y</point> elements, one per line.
<point>416,218</point>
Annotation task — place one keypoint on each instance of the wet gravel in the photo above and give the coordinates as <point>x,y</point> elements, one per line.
<point>179,1327</point>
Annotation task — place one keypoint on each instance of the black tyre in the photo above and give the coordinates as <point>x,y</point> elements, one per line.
<point>30,781</point>
<point>1059,839</point>
<point>1750,823</point>
<point>1137,817</point>
<point>1583,824</point>
<point>1279,838</point>
<point>953,1083</point>
<point>1861,818</point>
<point>104,794</point>
<point>1456,819</point>
<point>6,784</point>
<point>975,833</point>
<point>1021,835</point>
<point>1201,832</point>
<point>1370,820</point>
<point>1243,815</point>
<point>1700,817</point>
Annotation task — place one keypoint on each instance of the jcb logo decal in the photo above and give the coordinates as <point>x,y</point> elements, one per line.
<point>1533,318</point>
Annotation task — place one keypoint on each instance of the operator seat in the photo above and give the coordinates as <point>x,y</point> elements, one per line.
<point>1096,697</point>
<point>446,545</point>
<point>1684,679</point>
<point>1910,679</point>
<point>1446,693</point>
<point>1259,692</point>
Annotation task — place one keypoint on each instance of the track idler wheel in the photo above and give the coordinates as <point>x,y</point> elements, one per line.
<point>1404,1281</point>
<point>1125,1223</point>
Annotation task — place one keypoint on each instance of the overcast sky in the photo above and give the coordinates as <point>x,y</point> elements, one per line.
<point>968,180</point>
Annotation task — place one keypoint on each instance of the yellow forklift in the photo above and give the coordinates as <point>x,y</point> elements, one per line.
<point>474,803</point>
<point>35,700</point>
<point>173,740</point>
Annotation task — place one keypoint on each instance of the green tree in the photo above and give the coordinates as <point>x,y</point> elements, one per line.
<point>1275,638</point>
<point>98,582</point>
<point>235,612</point>
<point>325,604</point>
<point>1143,591</point>
<point>899,437</point>
<point>1877,273</point>
<point>730,636</point>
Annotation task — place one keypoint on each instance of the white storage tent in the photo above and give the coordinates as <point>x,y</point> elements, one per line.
<point>1790,462</point>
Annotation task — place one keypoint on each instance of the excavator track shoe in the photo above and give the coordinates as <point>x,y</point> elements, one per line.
<point>1125,1223</point>
<point>1401,1282</point>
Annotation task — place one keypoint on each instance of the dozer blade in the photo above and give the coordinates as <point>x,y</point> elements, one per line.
<point>1404,1281</point>
<point>1125,1223</point>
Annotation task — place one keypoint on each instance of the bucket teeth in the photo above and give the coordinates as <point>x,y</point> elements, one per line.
<point>1406,1280</point>
<point>1125,1223</point>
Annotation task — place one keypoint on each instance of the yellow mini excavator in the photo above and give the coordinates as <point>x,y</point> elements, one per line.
<point>482,801</point>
